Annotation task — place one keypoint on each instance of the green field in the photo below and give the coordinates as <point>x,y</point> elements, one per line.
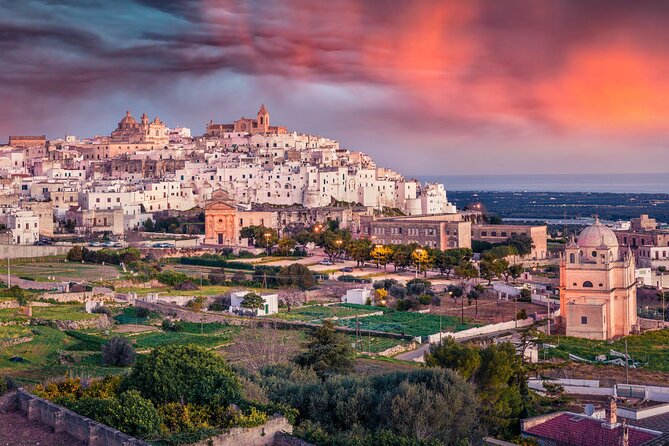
<point>316,313</point>
<point>651,347</point>
<point>63,271</point>
<point>207,290</point>
<point>156,339</point>
<point>408,323</point>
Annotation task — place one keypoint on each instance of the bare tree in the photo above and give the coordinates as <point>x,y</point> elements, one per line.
<point>265,345</point>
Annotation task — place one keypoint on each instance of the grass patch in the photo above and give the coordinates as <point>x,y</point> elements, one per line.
<point>86,342</point>
<point>651,347</point>
<point>157,339</point>
<point>63,313</point>
<point>316,313</point>
<point>408,323</point>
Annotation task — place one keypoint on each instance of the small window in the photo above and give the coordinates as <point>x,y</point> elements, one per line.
<point>587,284</point>
<point>572,258</point>
<point>594,253</point>
<point>584,320</point>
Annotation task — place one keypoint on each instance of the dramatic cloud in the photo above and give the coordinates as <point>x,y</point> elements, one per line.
<point>425,86</point>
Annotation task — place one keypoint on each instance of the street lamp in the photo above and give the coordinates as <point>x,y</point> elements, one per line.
<point>268,236</point>
<point>419,252</point>
<point>339,242</point>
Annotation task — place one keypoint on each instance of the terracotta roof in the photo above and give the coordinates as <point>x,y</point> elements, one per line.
<point>577,430</point>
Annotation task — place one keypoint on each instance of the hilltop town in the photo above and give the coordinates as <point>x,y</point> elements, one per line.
<point>255,285</point>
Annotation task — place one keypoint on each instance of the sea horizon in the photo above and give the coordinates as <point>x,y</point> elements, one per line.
<point>651,183</point>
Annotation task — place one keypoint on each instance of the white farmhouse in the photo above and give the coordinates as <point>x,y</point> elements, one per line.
<point>271,305</point>
<point>358,296</point>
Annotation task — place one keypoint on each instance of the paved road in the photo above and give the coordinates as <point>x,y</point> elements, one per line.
<point>417,355</point>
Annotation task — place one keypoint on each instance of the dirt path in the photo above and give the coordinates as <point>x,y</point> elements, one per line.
<point>16,430</point>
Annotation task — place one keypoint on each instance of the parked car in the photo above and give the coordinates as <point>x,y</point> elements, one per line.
<point>162,245</point>
<point>94,244</point>
<point>326,262</point>
<point>347,269</point>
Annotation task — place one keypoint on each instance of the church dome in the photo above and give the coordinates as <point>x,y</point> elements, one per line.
<point>597,236</point>
<point>128,119</point>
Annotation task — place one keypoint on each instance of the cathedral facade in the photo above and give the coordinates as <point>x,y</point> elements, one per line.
<point>260,124</point>
<point>220,220</point>
<point>597,286</point>
<point>129,130</point>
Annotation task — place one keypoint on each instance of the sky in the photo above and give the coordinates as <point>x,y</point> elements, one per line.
<point>425,87</point>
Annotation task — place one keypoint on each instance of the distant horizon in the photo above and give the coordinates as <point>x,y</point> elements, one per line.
<point>633,183</point>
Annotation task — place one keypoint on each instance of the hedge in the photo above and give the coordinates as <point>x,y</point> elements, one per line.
<point>215,262</point>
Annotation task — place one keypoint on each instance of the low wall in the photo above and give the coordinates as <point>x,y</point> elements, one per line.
<point>255,436</point>
<point>81,297</point>
<point>573,387</point>
<point>31,251</point>
<point>591,387</point>
<point>396,350</point>
<point>64,420</point>
<point>15,341</point>
<point>283,439</point>
<point>479,331</point>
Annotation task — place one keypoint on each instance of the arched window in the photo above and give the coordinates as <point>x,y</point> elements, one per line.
<point>572,258</point>
<point>594,254</point>
<point>587,284</point>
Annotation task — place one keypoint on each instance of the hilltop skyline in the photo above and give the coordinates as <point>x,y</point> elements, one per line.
<point>427,88</point>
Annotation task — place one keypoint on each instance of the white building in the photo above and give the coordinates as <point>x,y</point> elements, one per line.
<point>23,227</point>
<point>359,296</point>
<point>271,305</point>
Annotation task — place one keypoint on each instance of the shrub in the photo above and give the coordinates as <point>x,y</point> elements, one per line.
<point>175,326</point>
<point>130,413</point>
<point>172,278</point>
<point>118,352</point>
<point>142,312</point>
<point>102,310</point>
<point>410,303</point>
<point>188,285</point>
<point>196,304</point>
<point>178,417</point>
<point>425,299</point>
<point>221,303</point>
<point>397,291</point>
<point>168,374</point>
<point>238,277</point>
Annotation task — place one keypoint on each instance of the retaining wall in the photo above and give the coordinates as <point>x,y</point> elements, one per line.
<point>31,251</point>
<point>255,436</point>
<point>83,296</point>
<point>64,420</point>
<point>479,331</point>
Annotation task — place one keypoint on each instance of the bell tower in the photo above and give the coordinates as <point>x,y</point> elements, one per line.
<point>263,119</point>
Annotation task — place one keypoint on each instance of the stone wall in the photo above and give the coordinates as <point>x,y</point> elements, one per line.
<point>255,436</point>
<point>31,251</point>
<point>64,420</point>
<point>83,296</point>
<point>15,341</point>
<point>284,439</point>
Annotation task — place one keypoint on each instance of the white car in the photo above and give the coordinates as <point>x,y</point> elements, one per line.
<point>326,262</point>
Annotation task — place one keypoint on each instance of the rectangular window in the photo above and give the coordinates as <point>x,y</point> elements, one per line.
<point>584,320</point>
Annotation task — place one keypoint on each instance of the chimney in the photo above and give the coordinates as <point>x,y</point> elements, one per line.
<point>626,434</point>
<point>611,413</point>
